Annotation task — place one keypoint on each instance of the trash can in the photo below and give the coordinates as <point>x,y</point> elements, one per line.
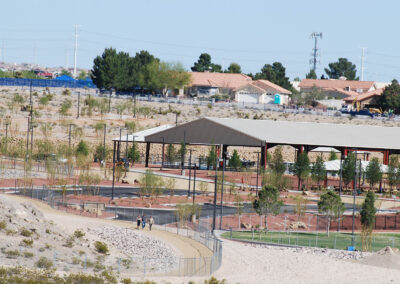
<point>350,248</point>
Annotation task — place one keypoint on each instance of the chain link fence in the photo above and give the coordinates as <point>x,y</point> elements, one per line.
<point>179,266</point>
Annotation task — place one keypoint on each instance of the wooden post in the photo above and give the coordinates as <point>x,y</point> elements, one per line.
<point>147,154</point>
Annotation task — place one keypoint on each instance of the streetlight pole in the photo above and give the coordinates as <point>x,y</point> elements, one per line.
<point>194,183</point>
<point>215,192</point>
<point>6,135</point>
<point>109,101</point>
<point>190,170</point>
<point>258,160</point>
<point>222,190</point>
<point>79,102</point>
<point>354,199</point>
<point>162,153</point>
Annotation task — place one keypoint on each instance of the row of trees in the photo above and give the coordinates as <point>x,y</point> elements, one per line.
<point>268,202</point>
<point>122,72</point>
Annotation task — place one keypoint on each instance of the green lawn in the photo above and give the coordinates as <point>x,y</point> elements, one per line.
<point>334,241</point>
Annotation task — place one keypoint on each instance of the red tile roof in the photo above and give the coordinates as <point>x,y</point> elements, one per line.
<point>219,80</point>
<point>267,86</point>
<point>337,84</point>
<point>365,96</point>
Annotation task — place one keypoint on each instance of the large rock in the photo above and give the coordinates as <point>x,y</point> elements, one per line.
<point>297,225</point>
<point>246,226</point>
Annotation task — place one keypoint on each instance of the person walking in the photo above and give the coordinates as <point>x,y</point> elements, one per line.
<point>143,222</point>
<point>138,221</point>
<point>151,221</point>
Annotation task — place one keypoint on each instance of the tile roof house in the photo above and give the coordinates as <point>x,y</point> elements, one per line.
<point>367,99</point>
<point>262,92</point>
<point>209,83</point>
<point>337,88</point>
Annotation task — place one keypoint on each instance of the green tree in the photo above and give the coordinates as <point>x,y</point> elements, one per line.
<point>65,107</point>
<point>133,153</point>
<point>171,154</point>
<point>301,168</point>
<point>392,172</point>
<point>311,74</point>
<point>275,73</point>
<point>373,172</point>
<point>332,156</point>
<point>277,164</point>
<point>318,171</point>
<point>342,67</point>
<point>66,73</point>
<point>268,202</point>
<point>182,150</point>
<point>82,149</point>
<point>151,184</point>
<point>165,76</point>
<point>204,64</point>
<point>331,205</point>
<point>82,75</point>
<point>212,157</point>
<point>234,161</point>
<point>390,98</point>
<point>311,98</point>
<point>348,169</point>
<point>368,215</point>
<point>233,68</point>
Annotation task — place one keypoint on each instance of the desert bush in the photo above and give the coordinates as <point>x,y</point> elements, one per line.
<point>101,247</point>
<point>79,234</point>
<point>44,262</point>
<point>69,243</point>
<point>11,253</point>
<point>28,254</point>
<point>3,225</point>
<point>214,280</point>
<point>25,232</point>
<point>26,243</point>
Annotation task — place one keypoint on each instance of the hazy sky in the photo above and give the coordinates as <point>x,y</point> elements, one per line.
<point>251,33</point>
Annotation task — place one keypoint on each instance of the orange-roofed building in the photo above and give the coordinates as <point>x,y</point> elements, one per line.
<point>262,92</point>
<point>205,84</point>
<point>337,88</point>
<point>368,99</point>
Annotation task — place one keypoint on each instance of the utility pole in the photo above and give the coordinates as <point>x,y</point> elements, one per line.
<point>258,160</point>
<point>75,49</point>
<point>190,170</point>
<point>104,144</point>
<point>222,190</point>
<point>362,63</point>
<point>6,135</point>
<point>79,102</point>
<point>315,54</point>
<point>69,136</point>
<point>354,199</point>
<point>215,192</point>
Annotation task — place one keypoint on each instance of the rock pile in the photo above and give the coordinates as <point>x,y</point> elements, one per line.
<point>337,254</point>
<point>157,255</point>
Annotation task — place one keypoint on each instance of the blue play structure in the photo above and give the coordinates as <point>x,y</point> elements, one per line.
<point>60,82</point>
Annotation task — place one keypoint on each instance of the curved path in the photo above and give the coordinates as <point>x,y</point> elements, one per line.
<point>185,247</point>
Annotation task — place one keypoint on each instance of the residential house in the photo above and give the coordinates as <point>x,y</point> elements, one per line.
<point>365,100</point>
<point>206,84</point>
<point>338,88</point>
<point>262,92</point>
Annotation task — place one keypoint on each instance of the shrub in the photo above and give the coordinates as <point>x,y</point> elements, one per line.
<point>44,262</point>
<point>214,280</point>
<point>48,231</point>
<point>11,253</point>
<point>3,225</point>
<point>69,243</point>
<point>26,242</point>
<point>25,232</point>
<point>79,234</point>
<point>101,247</point>
<point>28,254</point>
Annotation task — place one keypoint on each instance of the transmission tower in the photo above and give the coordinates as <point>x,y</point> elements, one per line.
<point>315,54</point>
<point>362,62</point>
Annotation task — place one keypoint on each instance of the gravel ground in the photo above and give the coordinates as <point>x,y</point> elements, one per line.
<point>159,257</point>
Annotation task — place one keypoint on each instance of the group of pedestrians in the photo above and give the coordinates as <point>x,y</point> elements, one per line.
<point>141,221</point>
